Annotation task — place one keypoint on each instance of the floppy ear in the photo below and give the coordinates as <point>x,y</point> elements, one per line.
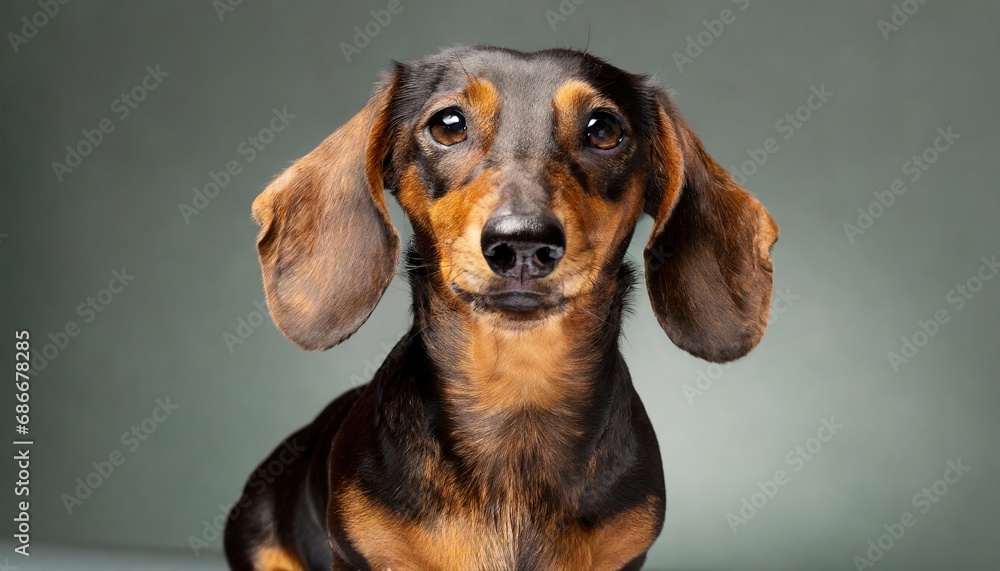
<point>708,261</point>
<point>327,247</point>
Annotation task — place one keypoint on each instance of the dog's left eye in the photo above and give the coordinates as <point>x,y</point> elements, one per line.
<point>447,126</point>
<point>604,131</point>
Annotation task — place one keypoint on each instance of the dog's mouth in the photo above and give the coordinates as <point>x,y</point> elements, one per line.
<point>514,304</point>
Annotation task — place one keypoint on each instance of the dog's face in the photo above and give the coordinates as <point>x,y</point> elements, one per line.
<point>524,176</point>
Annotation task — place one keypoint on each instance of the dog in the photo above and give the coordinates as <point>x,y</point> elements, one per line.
<point>503,430</point>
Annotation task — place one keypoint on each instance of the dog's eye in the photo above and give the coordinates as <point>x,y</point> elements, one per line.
<point>447,126</point>
<point>604,131</point>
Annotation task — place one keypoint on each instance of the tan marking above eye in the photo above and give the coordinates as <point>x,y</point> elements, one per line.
<point>277,559</point>
<point>573,101</point>
<point>483,96</point>
<point>453,117</point>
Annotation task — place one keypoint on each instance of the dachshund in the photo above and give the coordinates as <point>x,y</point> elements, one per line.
<point>503,430</point>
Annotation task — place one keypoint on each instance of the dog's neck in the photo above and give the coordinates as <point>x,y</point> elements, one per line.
<point>539,396</point>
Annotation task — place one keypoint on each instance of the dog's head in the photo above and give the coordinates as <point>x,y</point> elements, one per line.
<point>524,175</point>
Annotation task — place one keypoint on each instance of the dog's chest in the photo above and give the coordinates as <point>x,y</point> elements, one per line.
<point>507,538</point>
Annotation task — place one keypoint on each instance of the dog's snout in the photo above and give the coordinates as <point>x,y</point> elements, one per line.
<point>523,246</point>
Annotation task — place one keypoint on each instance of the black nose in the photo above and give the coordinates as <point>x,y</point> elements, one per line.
<point>522,246</point>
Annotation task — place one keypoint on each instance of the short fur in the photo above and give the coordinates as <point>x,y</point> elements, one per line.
<point>492,438</point>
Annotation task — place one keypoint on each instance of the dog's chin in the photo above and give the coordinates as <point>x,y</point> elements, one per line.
<point>517,309</point>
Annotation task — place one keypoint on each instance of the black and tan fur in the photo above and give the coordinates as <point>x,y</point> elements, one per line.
<point>494,436</point>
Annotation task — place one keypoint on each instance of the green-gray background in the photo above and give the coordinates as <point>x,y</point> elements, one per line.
<point>846,303</point>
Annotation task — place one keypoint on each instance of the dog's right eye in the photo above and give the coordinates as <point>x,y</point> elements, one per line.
<point>604,131</point>
<point>447,126</point>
